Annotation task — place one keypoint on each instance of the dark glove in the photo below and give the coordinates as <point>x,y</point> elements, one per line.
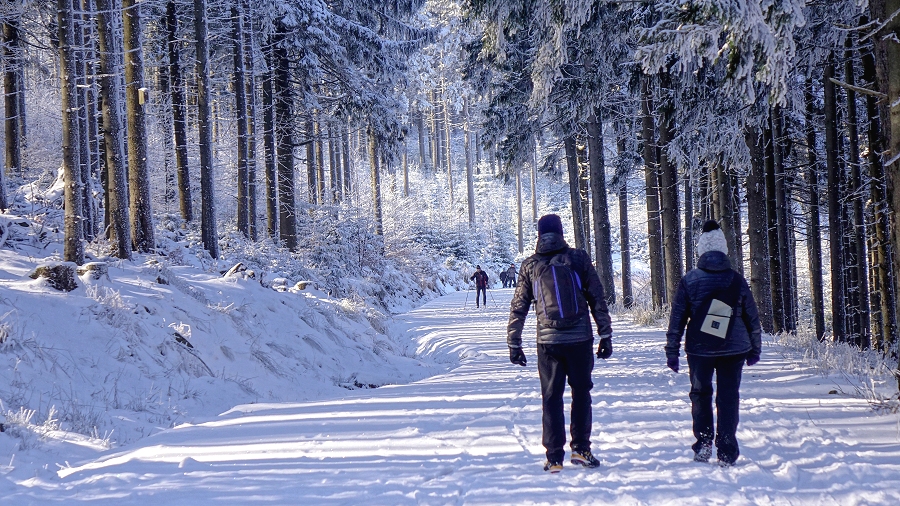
<point>604,349</point>
<point>752,359</point>
<point>517,356</point>
<point>672,362</point>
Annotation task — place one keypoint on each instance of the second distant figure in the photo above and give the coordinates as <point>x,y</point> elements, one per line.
<point>510,276</point>
<point>481,282</point>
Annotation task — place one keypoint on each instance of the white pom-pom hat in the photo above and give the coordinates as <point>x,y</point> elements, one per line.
<point>712,239</point>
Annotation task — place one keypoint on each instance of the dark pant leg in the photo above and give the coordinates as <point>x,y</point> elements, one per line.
<point>553,384</point>
<point>580,363</point>
<point>483,293</point>
<point>728,384</point>
<point>701,372</point>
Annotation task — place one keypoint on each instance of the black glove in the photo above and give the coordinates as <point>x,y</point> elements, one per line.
<point>604,349</point>
<point>752,359</point>
<point>517,356</point>
<point>672,362</point>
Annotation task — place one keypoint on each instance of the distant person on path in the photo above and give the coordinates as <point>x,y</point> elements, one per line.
<point>510,276</point>
<point>481,283</point>
<point>503,279</point>
<point>566,290</point>
<point>723,333</point>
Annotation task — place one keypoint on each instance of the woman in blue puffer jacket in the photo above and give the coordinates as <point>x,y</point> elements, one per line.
<point>710,350</point>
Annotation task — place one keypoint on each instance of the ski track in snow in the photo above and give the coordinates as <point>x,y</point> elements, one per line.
<point>473,436</point>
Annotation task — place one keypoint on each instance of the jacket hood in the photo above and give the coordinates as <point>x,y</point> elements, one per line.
<point>550,242</point>
<point>714,261</point>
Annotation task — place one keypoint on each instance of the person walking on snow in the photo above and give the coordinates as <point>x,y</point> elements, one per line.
<point>723,333</point>
<point>481,283</point>
<point>566,290</point>
<point>511,276</point>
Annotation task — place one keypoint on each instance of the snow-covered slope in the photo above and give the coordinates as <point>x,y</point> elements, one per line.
<point>472,436</point>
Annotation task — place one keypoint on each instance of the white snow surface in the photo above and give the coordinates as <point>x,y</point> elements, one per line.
<point>472,435</point>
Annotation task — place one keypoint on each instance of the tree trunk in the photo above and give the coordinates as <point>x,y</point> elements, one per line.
<point>813,230</point>
<point>858,259</point>
<point>320,161</point>
<point>73,250</point>
<point>651,185</point>
<point>688,223</point>
<point>521,231</point>
<point>574,191</point>
<point>333,172</point>
<point>240,105</point>
<point>724,205</point>
<point>376,182</point>
<point>836,228</point>
<point>179,113</point>
<point>775,282</point>
<point>600,206</point>
<point>583,189</point>
<point>269,146</point>
<point>624,243</point>
<point>12,88</point>
<point>757,225</point>
<point>424,144</point>
<point>470,177</point>
<point>669,198</point>
<point>88,214</point>
<point>447,137</point>
<point>883,296</point>
<point>208,232</point>
<point>138,174</point>
<point>110,67</point>
<point>249,43</point>
<point>283,94</point>
<point>346,150</point>
<point>312,173</point>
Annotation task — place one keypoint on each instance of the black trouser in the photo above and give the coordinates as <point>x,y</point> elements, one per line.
<point>483,292</point>
<point>556,364</point>
<point>728,383</point>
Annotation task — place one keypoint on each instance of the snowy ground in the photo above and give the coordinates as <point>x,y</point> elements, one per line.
<point>472,436</point>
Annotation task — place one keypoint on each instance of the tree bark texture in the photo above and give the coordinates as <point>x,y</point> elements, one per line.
<point>470,176</point>
<point>135,101</point>
<point>651,186</point>
<point>574,191</point>
<point>600,207</point>
<point>179,113</point>
<point>250,65</point>
<point>269,147</point>
<point>836,229</point>
<point>12,88</point>
<point>110,66</point>
<point>283,96</point>
<point>624,242</point>
<point>668,172</point>
<point>208,232</point>
<point>73,249</point>
<point>757,227</point>
<point>376,182</point>
<point>884,333</point>
<point>858,258</point>
<point>813,230</point>
<point>240,105</point>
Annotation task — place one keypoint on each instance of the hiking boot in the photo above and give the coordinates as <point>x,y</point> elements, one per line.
<point>553,466</point>
<point>584,458</point>
<point>726,463</point>
<point>703,454</point>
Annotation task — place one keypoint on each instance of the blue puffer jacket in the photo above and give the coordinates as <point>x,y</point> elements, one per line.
<point>713,273</point>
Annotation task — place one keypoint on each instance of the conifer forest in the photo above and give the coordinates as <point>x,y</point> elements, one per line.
<point>242,244</point>
<point>400,124</point>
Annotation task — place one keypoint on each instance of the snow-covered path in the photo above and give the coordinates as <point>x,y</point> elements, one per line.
<point>472,436</point>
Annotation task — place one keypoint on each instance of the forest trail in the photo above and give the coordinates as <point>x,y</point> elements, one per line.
<point>472,436</point>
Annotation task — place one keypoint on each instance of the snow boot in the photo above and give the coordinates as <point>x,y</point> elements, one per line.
<point>584,458</point>
<point>703,454</point>
<point>554,466</point>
